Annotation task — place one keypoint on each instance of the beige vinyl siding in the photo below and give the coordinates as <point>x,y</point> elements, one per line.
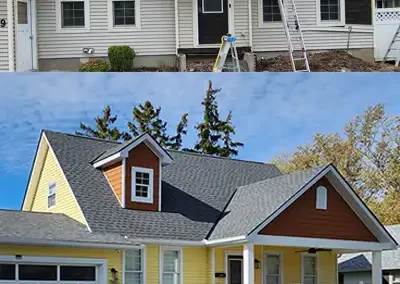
<point>156,36</point>
<point>4,37</point>
<point>241,22</point>
<point>272,38</point>
<point>65,200</point>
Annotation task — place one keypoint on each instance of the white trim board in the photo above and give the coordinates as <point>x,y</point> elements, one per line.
<point>10,34</point>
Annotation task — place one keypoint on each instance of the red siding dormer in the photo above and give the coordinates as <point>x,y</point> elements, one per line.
<point>133,171</point>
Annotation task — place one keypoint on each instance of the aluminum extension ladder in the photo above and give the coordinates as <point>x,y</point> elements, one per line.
<point>294,35</point>
<point>227,44</point>
<point>396,39</point>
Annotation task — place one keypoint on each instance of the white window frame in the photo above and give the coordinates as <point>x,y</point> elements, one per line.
<point>321,198</point>
<point>61,29</point>
<point>265,265</point>
<point>143,264</point>
<point>212,12</point>
<point>180,259</point>
<point>305,254</point>
<point>261,22</point>
<point>126,28</point>
<point>51,193</point>
<point>149,198</point>
<point>342,15</point>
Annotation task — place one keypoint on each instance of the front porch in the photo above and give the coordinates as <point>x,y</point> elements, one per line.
<point>264,264</point>
<point>387,20</point>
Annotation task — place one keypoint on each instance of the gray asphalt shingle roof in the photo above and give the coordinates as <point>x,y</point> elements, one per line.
<point>22,225</point>
<point>362,261</point>
<point>253,203</point>
<point>195,190</point>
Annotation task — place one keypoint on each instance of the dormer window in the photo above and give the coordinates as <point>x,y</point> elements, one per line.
<point>321,198</point>
<point>142,185</point>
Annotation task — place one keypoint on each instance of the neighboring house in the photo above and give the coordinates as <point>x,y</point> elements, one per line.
<point>61,34</point>
<point>97,211</point>
<point>355,268</point>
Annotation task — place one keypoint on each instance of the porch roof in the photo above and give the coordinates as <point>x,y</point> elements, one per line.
<point>253,203</point>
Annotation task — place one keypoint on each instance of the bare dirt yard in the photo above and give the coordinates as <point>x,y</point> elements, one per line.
<point>331,61</point>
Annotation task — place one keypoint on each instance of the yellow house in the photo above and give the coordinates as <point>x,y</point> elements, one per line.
<point>99,212</point>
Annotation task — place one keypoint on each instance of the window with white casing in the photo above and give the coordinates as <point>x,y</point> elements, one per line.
<point>142,185</point>
<point>51,195</point>
<point>321,199</point>
<point>171,266</point>
<point>272,268</point>
<point>309,269</point>
<point>134,266</point>
<point>72,15</point>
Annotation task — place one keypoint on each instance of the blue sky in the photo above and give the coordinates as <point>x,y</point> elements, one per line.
<point>272,112</point>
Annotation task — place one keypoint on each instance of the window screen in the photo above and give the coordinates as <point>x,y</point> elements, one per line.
<point>73,14</point>
<point>309,270</point>
<point>272,269</point>
<point>271,11</point>
<point>171,267</point>
<point>124,13</point>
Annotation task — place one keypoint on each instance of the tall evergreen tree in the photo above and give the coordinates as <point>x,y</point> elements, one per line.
<point>175,142</point>
<point>229,147</point>
<point>104,127</point>
<point>146,118</point>
<point>214,134</point>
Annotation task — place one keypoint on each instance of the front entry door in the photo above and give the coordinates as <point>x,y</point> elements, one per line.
<point>212,20</point>
<point>235,270</point>
<point>24,36</point>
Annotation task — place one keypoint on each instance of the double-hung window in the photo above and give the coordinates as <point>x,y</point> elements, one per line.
<point>331,12</point>
<point>272,268</point>
<point>51,195</point>
<point>134,266</point>
<point>309,269</point>
<point>171,266</point>
<point>142,185</point>
<point>270,11</point>
<point>72,14</point>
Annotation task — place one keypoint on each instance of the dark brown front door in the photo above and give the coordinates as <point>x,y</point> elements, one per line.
<point>235,269</point>
<point>213,20</point>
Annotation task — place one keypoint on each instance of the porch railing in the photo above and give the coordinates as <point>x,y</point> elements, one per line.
<point>387,15</point>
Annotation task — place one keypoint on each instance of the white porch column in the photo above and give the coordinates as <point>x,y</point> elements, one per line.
<point>376,267</point>
<point>248,264</point>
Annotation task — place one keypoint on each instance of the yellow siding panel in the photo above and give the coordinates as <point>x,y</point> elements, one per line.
<point>65,200</point>
<point>114,257</point>
<point>195,265</point>
<point>152,264</point>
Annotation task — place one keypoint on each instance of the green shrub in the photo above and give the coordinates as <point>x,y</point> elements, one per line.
<point>95,66</point>
<point>121,58</point>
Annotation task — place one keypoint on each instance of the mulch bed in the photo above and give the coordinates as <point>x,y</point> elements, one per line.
<point>332,61</point>
<point>205,66</point>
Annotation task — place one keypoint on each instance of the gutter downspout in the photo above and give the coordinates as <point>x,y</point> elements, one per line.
<point>250,26</point>
<point>10,23</point>
<point>176,27</point>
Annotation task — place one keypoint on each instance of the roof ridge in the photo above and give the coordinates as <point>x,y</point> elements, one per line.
<point>84,137</point>
<point>288,174</point>
<point>216,157</point>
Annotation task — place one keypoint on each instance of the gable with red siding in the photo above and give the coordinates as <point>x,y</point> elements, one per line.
<point>302,219</point>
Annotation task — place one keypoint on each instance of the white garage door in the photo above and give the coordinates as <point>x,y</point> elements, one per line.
<point>48,273</point>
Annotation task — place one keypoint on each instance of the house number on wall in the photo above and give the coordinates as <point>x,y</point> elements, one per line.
<point>3,23</point>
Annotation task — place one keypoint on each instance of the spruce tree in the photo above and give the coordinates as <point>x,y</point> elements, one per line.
<point>215,134</point>
<point>229,147</point>
<point>175,142</point>
<point>146,118</point>
<point>104,128</point>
